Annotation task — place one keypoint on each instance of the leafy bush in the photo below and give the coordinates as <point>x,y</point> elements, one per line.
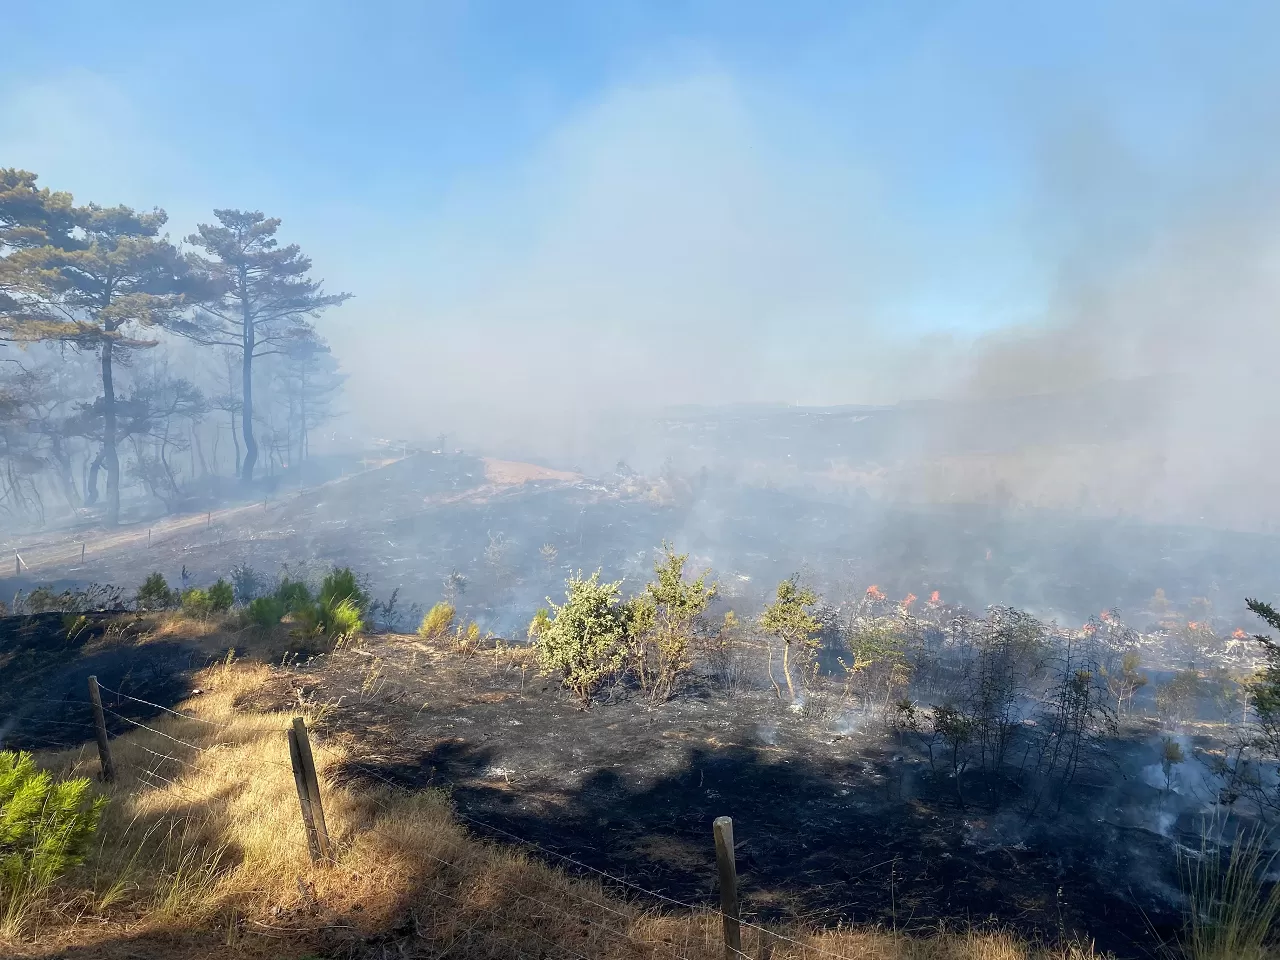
<point>541,620</point>
<point>247,583</point>
<point>342,621</point>
<point>467,639</point>
<point>668,616</point>
<point>45,829</point>
<point>221,596</point>
<point>437,622</point>
<point>587,637</point>
<point>789,618</point>
<point>266,612</point>
<point>154,594</point>
<point>195,603</point>
<point>294,595</point>
<point>340,585</point>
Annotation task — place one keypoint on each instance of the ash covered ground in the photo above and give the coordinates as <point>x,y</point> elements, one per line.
<point>411,523</point>
<point>839,817</point>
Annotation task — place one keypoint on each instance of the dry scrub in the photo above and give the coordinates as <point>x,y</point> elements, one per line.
<point>202,854</point>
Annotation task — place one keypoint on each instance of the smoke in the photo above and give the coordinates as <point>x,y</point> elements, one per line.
<point>688,241</point>
<point>660,249</point>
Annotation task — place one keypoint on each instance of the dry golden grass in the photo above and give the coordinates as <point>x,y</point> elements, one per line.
<point>202,854</point>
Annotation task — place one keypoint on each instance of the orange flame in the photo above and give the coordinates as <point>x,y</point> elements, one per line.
<point>1239,634</point>
<point>908,600</point>
<point>934,598</point>
<point>875,593</point>
<point>1090,628</point>
<point>1193,625</point>
<point>1105,615</point>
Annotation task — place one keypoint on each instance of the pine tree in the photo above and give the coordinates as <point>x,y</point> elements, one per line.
<point>96,277</point>
<point>264,300</point>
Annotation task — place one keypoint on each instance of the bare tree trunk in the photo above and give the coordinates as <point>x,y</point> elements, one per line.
<point>195,442</point>
<point>62,461</point>
<point>91,480</point>
<point>235,439</point>
<point>786,669</point>
<point>110,458</point>
<point>246,389</point>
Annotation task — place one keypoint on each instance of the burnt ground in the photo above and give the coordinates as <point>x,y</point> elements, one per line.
<point>46,660</point>
<point>408,524</point>
<point>831,826</point>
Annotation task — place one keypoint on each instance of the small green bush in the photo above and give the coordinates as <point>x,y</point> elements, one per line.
<point>342,621</point>
<point>221,596</point>
<point>295,595</point>
<point>154,594</point>
<point>195,604</point>
<point>46,826</point>
<point>586,638</point>
<point>437,622</point>
<point>340,584</point>
<point>266,612</point>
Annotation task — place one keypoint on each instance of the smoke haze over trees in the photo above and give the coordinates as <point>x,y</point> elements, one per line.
<point>84,283</point>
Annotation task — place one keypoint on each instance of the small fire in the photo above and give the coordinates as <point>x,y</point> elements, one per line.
<point>934,598</point>
<point>907,601</point>
<point>1239,634</point>
<point>1105,615</point>
<point>1090,628</point>
<point>875,593</point>
<point>1193,625</point>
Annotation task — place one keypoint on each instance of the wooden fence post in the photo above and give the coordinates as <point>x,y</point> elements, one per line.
<point>300,781</point>
<point>308,784</point>
<point>82,551</point>
<point>148,536</point>
<point>723,828</point>
<point>100,726</point>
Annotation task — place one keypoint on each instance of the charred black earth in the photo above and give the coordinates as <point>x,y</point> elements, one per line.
<point>833,823</point>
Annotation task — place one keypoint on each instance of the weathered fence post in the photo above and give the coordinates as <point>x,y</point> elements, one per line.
<point>82,551</point>
<point>148,536</point>
<point>308,784</point>
<point>723,828</point>
<point>100,727</point>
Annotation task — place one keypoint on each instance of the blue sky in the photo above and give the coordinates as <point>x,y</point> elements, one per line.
<point>692,201</point>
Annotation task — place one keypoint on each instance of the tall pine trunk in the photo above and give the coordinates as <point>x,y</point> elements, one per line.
<point>246,389</point>
<point>109,457</point>
<point>235,439</point>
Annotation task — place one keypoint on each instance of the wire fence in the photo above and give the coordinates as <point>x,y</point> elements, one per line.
<point>568,903</point>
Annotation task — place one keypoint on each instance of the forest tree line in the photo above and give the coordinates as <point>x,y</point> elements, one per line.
<point>130,362</point>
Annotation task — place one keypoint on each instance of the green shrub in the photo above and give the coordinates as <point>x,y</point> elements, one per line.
<point>154,594</point>
<point>586,638</point>
<point>45,829</point>
<point>221,596</point>
<point>294,595</point>
<point>437,622</point>
<point>541,620</point>
<point>339,585</point>
<point>342,621</point>
<point>195,603</point>
<point>266,612</point>
<point>466,640</point>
